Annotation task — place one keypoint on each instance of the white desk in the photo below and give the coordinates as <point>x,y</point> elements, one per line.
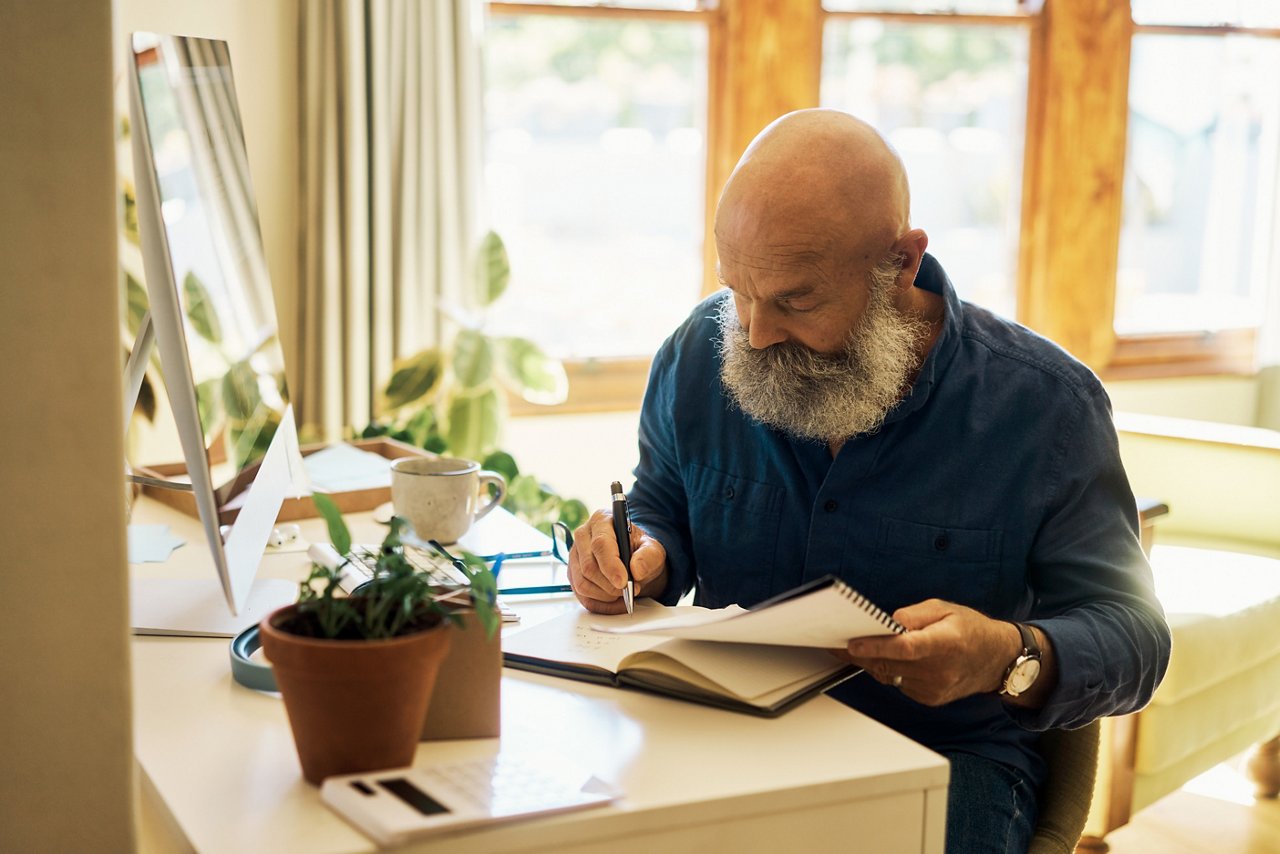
<point>220,773</point>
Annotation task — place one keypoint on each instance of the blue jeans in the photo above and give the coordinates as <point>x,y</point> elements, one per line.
<point>990,807</point>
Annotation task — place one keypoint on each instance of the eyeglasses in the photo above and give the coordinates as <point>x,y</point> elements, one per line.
<point>561,543</point>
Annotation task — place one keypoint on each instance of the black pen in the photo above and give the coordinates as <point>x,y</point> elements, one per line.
<point>622,530</point>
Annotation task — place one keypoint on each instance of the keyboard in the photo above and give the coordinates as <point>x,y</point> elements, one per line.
<point>363,558</point>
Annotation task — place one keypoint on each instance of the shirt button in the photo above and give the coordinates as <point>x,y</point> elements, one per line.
<point>830,506</point>
<point>728,492</point>
<point>940,542</point>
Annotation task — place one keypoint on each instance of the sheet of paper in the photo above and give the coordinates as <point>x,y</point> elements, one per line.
<point>750,671</point>
<point>824,618</point>
<point>501,531</point>
<point>152,543</point>
<point>345,468</point>
<point>570,638</point>
<point>197,607</point>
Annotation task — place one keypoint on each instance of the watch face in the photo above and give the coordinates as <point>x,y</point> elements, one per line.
<point>1023,675</point>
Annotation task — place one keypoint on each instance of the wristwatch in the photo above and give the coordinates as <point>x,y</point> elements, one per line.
<point>1024,669</point>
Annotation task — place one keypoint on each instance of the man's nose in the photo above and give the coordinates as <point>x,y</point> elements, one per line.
<point>762,329</point>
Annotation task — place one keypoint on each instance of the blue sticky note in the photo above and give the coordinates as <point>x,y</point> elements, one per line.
<point>151,543</point>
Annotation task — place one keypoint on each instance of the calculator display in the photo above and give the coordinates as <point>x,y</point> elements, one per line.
<point>413,796</point>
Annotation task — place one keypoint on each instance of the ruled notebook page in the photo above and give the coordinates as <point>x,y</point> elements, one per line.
<point>827,617</point>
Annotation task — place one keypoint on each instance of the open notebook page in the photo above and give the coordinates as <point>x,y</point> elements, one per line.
<point>571,639</point>
<point>825,617</point>
<point>747,671</point>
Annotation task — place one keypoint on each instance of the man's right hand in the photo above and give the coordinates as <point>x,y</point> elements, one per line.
<point>596,571</point>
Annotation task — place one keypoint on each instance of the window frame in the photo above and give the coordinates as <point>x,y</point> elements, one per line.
<point>764,59</point>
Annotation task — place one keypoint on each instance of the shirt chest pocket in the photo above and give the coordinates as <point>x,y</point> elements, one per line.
<point>916,561</point>
<point>734,521</point>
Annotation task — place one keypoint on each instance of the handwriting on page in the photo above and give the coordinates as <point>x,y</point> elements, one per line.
<point>588,638</point>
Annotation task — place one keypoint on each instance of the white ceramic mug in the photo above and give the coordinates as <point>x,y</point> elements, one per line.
<point>442,496</point>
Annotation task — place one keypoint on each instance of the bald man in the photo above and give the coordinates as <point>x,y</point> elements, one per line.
<point>839,410</point>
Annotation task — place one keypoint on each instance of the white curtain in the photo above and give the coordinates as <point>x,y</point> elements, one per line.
<point>390,157</point>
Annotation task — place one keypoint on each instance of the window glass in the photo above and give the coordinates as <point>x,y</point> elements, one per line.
<point>952,100</point>
<point>1246,13</point>
<point>1200,182</point>
<point>970,7</point>
<point>595,174</point>
<point>681,5</point>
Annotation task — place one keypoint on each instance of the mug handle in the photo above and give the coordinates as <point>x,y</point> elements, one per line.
<point>487,479</point>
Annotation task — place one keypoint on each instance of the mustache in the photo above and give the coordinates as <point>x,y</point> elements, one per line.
<point>823,396</point>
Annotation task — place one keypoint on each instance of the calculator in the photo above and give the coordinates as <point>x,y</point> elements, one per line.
<point>401,804</point>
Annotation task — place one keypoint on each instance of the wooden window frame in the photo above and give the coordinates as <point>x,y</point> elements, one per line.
<point>764,59</point>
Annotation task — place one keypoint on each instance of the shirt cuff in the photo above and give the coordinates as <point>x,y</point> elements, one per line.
<point>1080,676</point>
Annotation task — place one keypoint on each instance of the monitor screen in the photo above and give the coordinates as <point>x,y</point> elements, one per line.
<point>211,301</point>
<point>211,225</point>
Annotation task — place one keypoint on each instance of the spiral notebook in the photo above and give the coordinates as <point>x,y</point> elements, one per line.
<point>764,661</point>
<point>825,612</point>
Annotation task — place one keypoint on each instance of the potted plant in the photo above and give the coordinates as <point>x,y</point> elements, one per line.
<point>357,672</point>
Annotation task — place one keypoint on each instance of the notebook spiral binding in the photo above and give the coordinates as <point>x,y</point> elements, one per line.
<point>869,607</point>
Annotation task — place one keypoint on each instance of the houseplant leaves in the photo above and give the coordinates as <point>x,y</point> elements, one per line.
<point>493,270</point>
<point>536,376</point>
<point>414,378</point>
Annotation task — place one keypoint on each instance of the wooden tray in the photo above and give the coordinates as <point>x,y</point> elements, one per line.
<point>292,509</point>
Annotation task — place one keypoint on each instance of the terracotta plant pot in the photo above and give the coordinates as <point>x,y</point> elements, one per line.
<point>353,705</point>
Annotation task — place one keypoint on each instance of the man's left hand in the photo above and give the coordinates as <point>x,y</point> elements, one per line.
<point>949,652</point>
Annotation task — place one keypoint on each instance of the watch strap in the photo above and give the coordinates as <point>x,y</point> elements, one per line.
<point>1030,650</point>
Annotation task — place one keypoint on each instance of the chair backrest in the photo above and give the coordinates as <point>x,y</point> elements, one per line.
<point>1072,757</point>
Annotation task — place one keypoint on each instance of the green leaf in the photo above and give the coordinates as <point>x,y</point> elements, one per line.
<point>375,430</point>
<point>200,311</point>
<point>208,404</point>
<point>436,444</point>
<point>493,269</point>
<point>136,304</point>
<point>573,513</point>
<point>535,375</point>
<point>338,533</point>
<point>525,493</point>
<point>422,426</point>
<point>503,463</point>
<point>250,440</point>
<point>130,214</point>
<point>472,358</point>
<point>240,394</point>
<point>413,378</point>
<point>484,591</point>
<point>473,424</point>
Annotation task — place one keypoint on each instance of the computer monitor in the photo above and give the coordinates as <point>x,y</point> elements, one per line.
<point>211,306</point>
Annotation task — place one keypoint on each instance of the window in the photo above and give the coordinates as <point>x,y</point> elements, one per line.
<point>1200,183</point>
<point>951,99</point>
<point>595,172</point>
<point>1104,172</point>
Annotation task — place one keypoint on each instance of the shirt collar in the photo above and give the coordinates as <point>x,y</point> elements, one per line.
<point>931,277</point>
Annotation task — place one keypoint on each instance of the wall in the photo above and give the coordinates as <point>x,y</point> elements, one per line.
<point>65,730</point>
<point>1229,399</point>
<point>577,455</point>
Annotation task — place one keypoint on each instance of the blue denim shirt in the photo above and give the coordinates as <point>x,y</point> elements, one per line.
<point>996,483</point>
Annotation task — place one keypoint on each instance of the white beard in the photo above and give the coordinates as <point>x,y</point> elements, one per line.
<point>811,395</point>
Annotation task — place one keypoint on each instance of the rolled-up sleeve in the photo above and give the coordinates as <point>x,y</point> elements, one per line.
<point>658,502</point>
<point>1093,591</point>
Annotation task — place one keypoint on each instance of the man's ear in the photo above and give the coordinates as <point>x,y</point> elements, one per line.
<point>910,247</point>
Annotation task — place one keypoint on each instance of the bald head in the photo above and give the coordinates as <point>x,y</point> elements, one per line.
<point>821,177</point>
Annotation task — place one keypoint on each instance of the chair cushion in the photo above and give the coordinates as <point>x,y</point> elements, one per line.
<point>1223,608</point>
